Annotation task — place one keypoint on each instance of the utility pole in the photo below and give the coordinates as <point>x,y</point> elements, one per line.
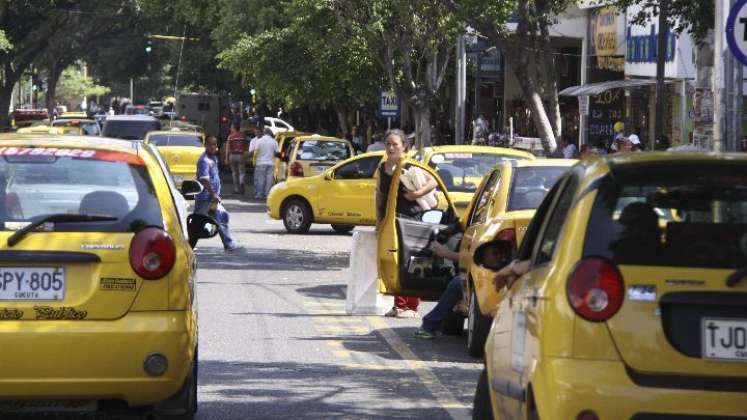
<point>461,90</point>
<point>661,61</point>
<point>718,78</point>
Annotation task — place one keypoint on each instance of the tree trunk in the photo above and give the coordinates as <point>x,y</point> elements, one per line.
<point>422,110</point>
<point>6,91</point>
<point>54,71</point>
<point>551,80</point>
<point>342,121</point>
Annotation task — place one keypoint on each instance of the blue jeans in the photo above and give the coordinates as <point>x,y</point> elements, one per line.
<point>449,298</point>
<point>203,207</point>
<point>263,180</point>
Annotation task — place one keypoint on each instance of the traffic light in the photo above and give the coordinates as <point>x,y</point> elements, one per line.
<point>148,45</point>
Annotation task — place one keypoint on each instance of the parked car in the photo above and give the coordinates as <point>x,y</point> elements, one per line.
<point>181,150</point>
<point>87,127</point>
<point>285,143</point>
<point>107,310</point>
<point>277,125</point>
<point>311,155</point>
<point>502,207</point>
<point>462,167</point>
<point>342,196</point>
<point>633,306</point>
<point>130,127</point>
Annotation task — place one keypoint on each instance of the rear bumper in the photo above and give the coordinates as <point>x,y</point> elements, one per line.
<point>96,359</point>
<point>565,387</point>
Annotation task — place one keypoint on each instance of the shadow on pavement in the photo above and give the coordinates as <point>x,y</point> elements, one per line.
<point>240,390</point>
<point>325,291</point>
<point>270,259</point>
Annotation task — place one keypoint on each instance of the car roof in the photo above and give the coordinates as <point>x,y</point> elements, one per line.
<point>525,163</point>
<point>318,137</point>
<point>131,118</point>
<point>175,133</point>
<point>66,119</point>
<point>465,148</point>
<point>51,140</point>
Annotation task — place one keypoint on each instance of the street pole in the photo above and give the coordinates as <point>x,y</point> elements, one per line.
<point>661,61</point>
<point>733,93</point>
<point>461,90</point>
<point>718,78</point>
<point>132,90</point>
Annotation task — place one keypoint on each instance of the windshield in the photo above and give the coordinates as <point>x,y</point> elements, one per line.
<point>693,216</point>
<point>130,130</point>
<point>91,183</point>
<point>170,140</point>
<point>530,186</point>
<point>90,128</point>
<point>462,172</point>
<point>323,150</point>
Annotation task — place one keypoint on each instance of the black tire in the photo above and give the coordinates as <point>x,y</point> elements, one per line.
<point>478,327</point>
<point>453,324</point>
<point>189,392</point>
<point>343,228</point>
<point>296,216</point>
<point>482,409</point>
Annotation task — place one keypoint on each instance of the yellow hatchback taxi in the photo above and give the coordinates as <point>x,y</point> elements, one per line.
<point>97,289</point>
<point>86,127</point>
<point>617,317</point>
<point>342,196</point>
<point>502,208</point>
<point>312,155</point>
<point>285,144</point>
<point>462,167</point>
<point>181,150</point>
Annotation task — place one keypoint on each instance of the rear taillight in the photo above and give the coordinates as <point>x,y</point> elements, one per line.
<point>152,253</point>
<point>296,169</point>
<point>595,289</point>
<point>507,235</point>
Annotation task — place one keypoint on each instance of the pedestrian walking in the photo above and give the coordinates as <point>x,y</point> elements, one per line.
<point>208,201</point>
<point>377,145</point>
<point>409,203</point>
<point>235,157</point>
<point>265,147</point>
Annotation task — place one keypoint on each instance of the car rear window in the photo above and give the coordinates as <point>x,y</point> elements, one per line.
<point>323,150</point>
<point>180,140</point>
<point>130,130</point>
<point>462,172</point>
<point>90,128</point>
<point>680,216</point>
<point>530,185</point>
<point>35,182</point>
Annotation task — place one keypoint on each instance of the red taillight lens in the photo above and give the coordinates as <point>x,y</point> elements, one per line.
<point>595,289</point>
<point>507,235</point>
<point>152,253</point>
<point>183,118</point>
<point>296,169</point>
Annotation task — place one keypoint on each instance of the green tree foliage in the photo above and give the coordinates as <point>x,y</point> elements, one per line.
<point>73,86</point>
<point>4,43</point>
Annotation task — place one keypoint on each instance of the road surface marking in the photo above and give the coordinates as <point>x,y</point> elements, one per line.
<point>445,398</point>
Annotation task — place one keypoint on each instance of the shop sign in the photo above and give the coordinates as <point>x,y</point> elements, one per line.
<point>606,30</point>
<point>642,48</point>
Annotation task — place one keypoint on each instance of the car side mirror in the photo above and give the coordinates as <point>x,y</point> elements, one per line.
<point>328,176</point>
<point>433,216</point>
<point>493,255</point>
<point>190,188</point>
<point>200,226</point>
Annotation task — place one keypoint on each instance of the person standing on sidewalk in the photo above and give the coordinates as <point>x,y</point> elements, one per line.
<point>208,201</point>
<point>265,147</point>
<point>236,149</point>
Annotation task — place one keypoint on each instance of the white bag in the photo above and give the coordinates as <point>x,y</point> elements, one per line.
<point>413,179</point>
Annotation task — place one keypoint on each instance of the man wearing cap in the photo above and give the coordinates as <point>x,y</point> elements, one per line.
<point>635,143</point>
<point>618,132</point>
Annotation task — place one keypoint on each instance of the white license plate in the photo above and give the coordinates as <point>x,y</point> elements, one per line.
<point>32,283</point>
<point>725,339</point>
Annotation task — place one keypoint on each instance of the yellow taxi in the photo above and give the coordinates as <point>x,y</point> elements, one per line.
<point>77,115</point>
<point>180,149</point>
<point>502,208</point>
<point>342,196</point>
<point>313,154</point>
<point>47,129</point>
<point>85,127</point>
<point>462,167</point>
<point>617,318</point>
<point>97,296</point>
<point>285,143</point>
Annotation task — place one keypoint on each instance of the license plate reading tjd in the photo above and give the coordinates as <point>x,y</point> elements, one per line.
<point>725,339</point>
<point>32,283</point>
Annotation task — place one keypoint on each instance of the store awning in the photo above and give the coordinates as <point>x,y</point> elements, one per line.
<point>597,88</point>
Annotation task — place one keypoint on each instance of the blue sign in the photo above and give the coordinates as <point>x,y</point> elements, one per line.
<point>388,105</point>
<point>736,31</point>
<point>642,48</point>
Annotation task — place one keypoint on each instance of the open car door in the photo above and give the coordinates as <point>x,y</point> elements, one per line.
<point>407,267</point>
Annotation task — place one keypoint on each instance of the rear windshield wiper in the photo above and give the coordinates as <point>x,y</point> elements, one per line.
<point>55,218</point>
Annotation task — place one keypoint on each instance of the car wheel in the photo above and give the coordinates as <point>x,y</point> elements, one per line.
<point>478,327</point>
<point>185,401</point>
<point>453,324</point>
<point>296,216</point>
<point>482,409</point>
<point>343,228</point>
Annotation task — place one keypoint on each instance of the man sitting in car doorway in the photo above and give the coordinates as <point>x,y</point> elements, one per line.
<point>452,298</point>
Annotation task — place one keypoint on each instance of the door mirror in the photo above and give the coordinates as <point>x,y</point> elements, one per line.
<point>328,176</point>
<point>433,216</point>
<point>493,255</point>
<point>200,226</point>
<point>191,188</point>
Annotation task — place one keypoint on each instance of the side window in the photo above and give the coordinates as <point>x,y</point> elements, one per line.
<point>480,212</point>
<point>358,169</point>
<point>554,224</point>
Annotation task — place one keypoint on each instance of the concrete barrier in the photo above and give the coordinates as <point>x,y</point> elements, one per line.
<point>362,296</point>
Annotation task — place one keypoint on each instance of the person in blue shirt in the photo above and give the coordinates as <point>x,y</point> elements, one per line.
<point>208,201</point>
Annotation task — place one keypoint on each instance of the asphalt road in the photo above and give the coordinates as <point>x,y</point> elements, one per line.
<point>275,341</point>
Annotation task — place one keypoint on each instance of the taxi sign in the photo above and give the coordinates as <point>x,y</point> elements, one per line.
<point>736,31</point>
<point>388,104</point>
